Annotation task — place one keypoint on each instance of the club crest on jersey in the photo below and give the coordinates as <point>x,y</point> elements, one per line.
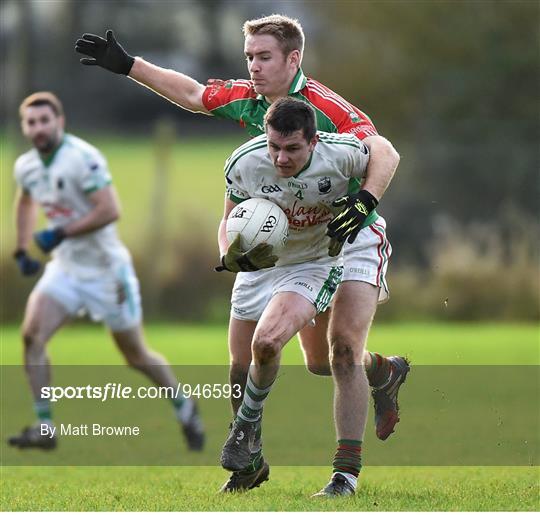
<point>324,185</point>
<point>354,117</point>
<point>60,183</point>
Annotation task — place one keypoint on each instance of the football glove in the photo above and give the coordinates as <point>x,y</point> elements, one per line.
<point>49,238</point>
<point>107,53</point>
<point>236,260</point>
<point>26,264</point>
<point>347,224</point>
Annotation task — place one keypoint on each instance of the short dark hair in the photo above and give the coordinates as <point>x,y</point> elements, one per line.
<point>42,98</point>
<point>287,31</point>
<point>288,115</point>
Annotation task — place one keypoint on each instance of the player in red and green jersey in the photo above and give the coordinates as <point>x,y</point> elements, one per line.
<point>273,49</point>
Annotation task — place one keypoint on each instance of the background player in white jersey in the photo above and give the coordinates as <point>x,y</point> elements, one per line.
<point>91,270</point>
<point>270,306</point>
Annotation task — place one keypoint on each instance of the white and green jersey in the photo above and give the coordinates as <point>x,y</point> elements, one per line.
<point>307,197</point>
<point>61,185</point>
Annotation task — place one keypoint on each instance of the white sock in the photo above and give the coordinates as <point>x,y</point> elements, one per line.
<point>183,414</point>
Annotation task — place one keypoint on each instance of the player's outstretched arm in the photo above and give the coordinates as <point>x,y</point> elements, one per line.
<point>107,53</point>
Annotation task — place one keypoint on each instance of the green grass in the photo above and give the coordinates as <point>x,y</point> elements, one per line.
<point>195,488</point>
<point>423,343</point>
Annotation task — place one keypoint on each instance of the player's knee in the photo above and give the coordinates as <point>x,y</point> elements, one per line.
<point>136,360</point>
<point>342,352</point>
<point>265,348</point>
<point>32,339</point>
<point>319,369</point>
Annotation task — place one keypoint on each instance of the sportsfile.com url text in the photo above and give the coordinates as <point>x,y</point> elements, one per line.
<point>111,391</point>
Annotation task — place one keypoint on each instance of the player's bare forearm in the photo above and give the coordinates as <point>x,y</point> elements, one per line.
<point>383,162</point>
<point>176,87</point>
<point>25,216</point>
<point>223,242</point>
<point>105,211</point>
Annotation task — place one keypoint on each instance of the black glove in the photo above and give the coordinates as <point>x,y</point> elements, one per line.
<point>26,264</point>
<point>348,223</point>
<point>107,53</point>
<point>237,260</point>
<point>49,238</point>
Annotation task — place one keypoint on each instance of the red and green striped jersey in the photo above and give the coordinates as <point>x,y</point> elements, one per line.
<point>237,100</point>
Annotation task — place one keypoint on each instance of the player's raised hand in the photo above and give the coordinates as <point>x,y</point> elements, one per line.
<point>348,223</point>
<point>236,260</point>
<point>107,53</point>
<point>26,264</point>
<point>48,239</point>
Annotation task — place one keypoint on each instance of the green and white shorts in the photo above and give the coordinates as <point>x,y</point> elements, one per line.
<point>317,281</point>
<point>366,259</point>
<point>112,297</point>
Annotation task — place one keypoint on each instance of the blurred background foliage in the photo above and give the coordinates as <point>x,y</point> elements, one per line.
<point>454,86</point>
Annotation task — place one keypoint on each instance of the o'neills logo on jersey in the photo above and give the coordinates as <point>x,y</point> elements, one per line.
<point>302,216</point>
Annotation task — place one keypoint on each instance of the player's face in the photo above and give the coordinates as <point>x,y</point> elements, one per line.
<point>270,70</point>
<point>289,153</point>
<point>42,127</point>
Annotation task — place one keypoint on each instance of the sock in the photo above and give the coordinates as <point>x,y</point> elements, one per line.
<point>379,371</point>
<point>42,409</point>
<point>183,408</point>
<point>348,459</point>
<point>253,402</point>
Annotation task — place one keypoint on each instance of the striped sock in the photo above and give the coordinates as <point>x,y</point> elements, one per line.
<point>379,370</point>
<point>42,409</point>
<point>253,402</point>
<point>348,458</point>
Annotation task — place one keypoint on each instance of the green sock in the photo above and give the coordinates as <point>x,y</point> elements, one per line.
<point>42,409</point>
<point>348,458</point>
<point>253,402</point>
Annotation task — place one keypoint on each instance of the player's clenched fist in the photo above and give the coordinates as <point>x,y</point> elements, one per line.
<point>26,264</point>
<point>107,53</point>
<point>236,260</point>
<point>348,223</point>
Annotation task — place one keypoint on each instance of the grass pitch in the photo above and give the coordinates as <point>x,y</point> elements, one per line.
<point>195,488</point>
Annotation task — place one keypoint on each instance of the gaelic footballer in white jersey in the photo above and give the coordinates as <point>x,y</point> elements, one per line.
<point>61,187</point>
<point>307,197</point>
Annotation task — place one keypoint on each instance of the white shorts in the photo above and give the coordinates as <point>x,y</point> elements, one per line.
<point>367,258</point>
<point>317,281</point>
<point>112,298</point>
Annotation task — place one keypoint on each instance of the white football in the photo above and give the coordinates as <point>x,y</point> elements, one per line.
<point>258,220</point>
